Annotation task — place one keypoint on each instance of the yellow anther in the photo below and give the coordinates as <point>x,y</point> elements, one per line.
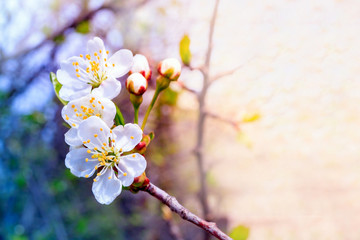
<point>75,110</point>
<point>74,125</point>
<point>84,142</point>
<point>113,64</point>
<point>110,131</point>
<point>76,63</point>
<point>96,167</point>
<point>73,106</point>
<point>104,144</point>
<point>109,177</point>
<point>95,135</point>
<point>99,174</point>
<point>99,102</point>
<point>101,129</point>
<point>93,156</point>
<point>113,140</point>
<point>88,151</point>
<point>77,114</point>
<point>120,149</point>
<point>132,137</point>
<point>81,55</point>
<point>80,114</point>
<point>95,53</point>
<point>86,176</point>
<point>124,174</point>
<point>88,141</point>
<point>105,65</point>
<point>102,107</point>
<point>107,52</point>
<point>98,114</point>
<point>85,117</point>
<point>105,59</point>
<point>88,56</point>
<point>134,156</point>
<point>95,180</point>
<point>67,117</point>
<point>78,75</point>
<point>98,58</point>
<point>95,148</point>
<point>77,70</point>
<point>73,63</point>
<point>103,148</point>
<point>93,105</point>
<point>100,51</point>
<point>86,159</point>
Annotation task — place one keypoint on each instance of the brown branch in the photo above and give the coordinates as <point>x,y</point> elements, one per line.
<point>235,124</point>
<point>226,73</point>
<point>184,213</point>
<point>203,194</point>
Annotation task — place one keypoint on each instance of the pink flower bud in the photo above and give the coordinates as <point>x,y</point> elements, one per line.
<point>170,68</point>
<point>136,84</point>
<point>141,65</point>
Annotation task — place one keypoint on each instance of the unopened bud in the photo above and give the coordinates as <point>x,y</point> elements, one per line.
<point>141,65</point>
<point>136,84</point>
<point>170,68</point>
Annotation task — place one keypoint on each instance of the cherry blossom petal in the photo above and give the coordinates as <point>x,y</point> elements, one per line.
<point>69,93</point>
<point>76,161</point>
<point>71,137</point>
<point>106,187</point>
<point>128,136</point>
<point>109,88</point>
<point>120,63</point>
<point>95,45</point>
<point>95,130</point>
<point>134,165</point>
<point>109,111</point>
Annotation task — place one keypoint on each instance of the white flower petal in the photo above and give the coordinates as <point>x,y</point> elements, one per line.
<point>109,111</point>
<point>134,165</point>
<point>123,61</point>
<point>80,109</point>
<point>95,45</point>
<point>69,93</point>
<point>109,88</point>
<point>69,75</point>
<point>75,160</point>
<point>128,136</point>
<point>71,137</point>
<point>95,130</point>
<point>106,187</point>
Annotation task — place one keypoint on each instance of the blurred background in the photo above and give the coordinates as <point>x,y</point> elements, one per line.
<point>275,155</point>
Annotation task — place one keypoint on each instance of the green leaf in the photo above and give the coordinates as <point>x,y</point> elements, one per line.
<point>240,233</point>
<point>59,39</point>
<point>185,53</point>
<point>251,117</point>
<point>83,27</point>
<point>119,119</point>
<point>57,87</point>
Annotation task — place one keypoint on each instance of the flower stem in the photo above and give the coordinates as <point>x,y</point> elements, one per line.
<point>156,94</point>
<point>136,115</point>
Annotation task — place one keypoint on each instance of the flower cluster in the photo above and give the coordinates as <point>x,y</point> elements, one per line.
<point>96,145</point>
<point>101,144</point>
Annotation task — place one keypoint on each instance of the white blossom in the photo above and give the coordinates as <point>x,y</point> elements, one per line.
<point>141,65</point>
<point>80,109</point>
<point>136,84</point>
<point>95,72</point>
<point>170,68</point>
<point>106,153</point>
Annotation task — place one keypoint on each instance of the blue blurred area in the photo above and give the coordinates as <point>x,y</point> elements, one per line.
<point>39,198</point>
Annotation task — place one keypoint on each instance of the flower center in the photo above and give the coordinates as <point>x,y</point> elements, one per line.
<point>96,73</point>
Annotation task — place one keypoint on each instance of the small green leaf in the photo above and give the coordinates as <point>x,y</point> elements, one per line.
<point>240,233</point>
<point>151,135</point>
<point>185,53</point>
<point>57,87</point>
<point>251,117</point>
<point>59,39</point>
<point>83,27</point>
<point>119,119</point>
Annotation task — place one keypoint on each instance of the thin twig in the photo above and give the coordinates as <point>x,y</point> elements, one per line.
<point>235,124</point>
<point>201,121</point>
<point>184,213</point>
<point>226,73</point>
